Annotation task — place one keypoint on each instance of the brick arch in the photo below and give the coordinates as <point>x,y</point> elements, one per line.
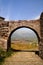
<point>9,38</point>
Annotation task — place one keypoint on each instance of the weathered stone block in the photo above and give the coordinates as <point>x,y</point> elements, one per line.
<point>41,53</point>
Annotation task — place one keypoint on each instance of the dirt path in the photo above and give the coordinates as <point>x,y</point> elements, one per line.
<point>23,58</point>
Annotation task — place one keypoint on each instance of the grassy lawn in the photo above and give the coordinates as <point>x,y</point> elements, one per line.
<point>19,46</point>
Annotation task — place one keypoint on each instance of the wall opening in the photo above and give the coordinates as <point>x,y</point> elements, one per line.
<point>23,38</point>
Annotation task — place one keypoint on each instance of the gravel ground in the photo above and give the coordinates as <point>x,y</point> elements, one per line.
<point>23,58</point>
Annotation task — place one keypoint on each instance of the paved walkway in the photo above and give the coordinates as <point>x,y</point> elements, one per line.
<point>23,58</point>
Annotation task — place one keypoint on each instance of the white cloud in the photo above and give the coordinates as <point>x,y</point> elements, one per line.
<point>37,17</point>
<point>6,19</point>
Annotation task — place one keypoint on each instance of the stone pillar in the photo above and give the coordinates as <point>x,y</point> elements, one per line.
<point>41,40</point>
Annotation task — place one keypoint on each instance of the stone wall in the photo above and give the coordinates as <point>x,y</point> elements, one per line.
<point>41,32</point>
<point>4,30</point>
<point>6,27</point>
<point>3,44</point>
<point>34,24</point>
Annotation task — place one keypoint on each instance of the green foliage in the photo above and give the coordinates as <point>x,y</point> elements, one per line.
<point>9,53</point>
<point>4,55</point>
<point>2,52</point>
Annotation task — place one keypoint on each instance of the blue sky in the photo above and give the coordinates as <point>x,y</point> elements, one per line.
<point>21,9</point>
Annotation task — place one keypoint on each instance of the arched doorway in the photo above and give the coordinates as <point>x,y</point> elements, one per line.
<point>9,39</point>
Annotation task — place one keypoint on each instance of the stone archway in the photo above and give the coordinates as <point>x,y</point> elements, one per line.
<point>7,28</point>
<point>9,39</point>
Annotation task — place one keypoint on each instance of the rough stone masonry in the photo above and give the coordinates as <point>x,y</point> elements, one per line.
<point>8,27</point>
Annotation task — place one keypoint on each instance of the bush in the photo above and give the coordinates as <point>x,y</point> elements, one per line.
<point>4,55</point>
